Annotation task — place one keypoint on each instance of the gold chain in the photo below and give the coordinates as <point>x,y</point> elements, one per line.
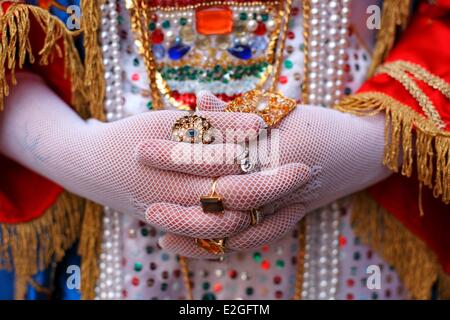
<point>300,260</point>
<point>140,7</point>
<point>278,62</point>
<point>306,17</point>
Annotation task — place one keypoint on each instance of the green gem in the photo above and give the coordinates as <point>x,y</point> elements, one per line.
<point>209,296</point>
<point>183,21</point>
<point>249,291</point>
<point>288,64</point>
<point>205,286</point>
<point>166,24</point>
<point>136,62</point>
<point>302,47</point>
<point>265,17</point>
<point>137,266</point>
<point>144,232</point>
<point>257,257</point>
<point>164,286</point>
<point>151,26</point>
<point>280,264</point>
<point>149,105</point>
<point>243,16</point>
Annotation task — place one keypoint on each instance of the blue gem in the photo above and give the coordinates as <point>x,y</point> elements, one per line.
<point>159,51</point>
<point>178,51</point>
<point>191,133</point>
<point>241,52</point>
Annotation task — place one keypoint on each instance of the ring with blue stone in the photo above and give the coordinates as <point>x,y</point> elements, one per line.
<point>193,129</point>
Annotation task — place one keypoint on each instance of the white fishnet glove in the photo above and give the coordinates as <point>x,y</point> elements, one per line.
<point>98,160</point>
<point>345,151</point>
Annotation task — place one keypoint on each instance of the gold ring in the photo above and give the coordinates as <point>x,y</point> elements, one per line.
<point>212,203</point>
<point>193,129</point>
<point>256,217</point>
<point>214,246</point>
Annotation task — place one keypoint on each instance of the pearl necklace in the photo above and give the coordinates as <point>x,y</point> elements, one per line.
<point>110,280</point>
<point>326,39</point>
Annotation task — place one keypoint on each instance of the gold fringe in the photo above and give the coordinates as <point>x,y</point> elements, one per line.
<point>94,71</point>
<point>89,248</point>
<point>414,262</point>
<point>432,145</point>
<point>394,16</point>
<point>30,247</point>
<point>15,48</point>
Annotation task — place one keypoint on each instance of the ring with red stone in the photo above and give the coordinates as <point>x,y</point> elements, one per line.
<point>193,129</point>
<point>214,246</point>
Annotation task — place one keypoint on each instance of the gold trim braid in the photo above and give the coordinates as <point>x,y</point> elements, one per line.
<point>414,262</point>
<point>395,16</point>
<point>431,145</point>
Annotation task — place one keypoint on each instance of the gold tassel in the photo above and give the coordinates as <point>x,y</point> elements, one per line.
<point>15,48</point>
<point>89,248</point>
<point>414,262</point>
<point>94,71</point>
<point>30,247</point>
<point>432,145</point>
<point>394,16</point>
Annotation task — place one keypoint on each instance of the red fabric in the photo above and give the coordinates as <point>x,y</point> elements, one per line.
<point>24,195</point>
<point>425,42</point>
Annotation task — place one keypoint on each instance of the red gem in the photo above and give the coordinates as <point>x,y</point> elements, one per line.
<point>290,35</point>
<point>277,280</point>
<point>135,77</point>
<point>217,287</point>
<point>265,265</point>
<point>135,281</point>
<point>157,36</point>
<point>232,274</point>
<point>342,241</point>
<point>278,294</point>
<point>295,11</point>
<point>350,282</point>
<point>283,79</point>
<point>261,29</point>
<point>350,296</point>
<point>265,248</point>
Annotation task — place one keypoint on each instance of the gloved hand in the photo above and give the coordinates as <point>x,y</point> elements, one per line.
<point>345,152</point>
<point>98,160</point>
